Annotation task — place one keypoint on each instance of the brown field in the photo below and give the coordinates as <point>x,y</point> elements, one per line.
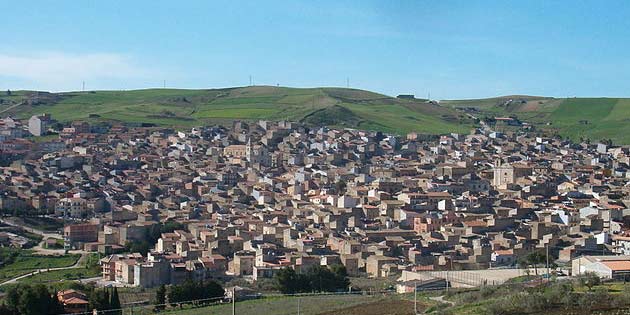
<point>379,307</point>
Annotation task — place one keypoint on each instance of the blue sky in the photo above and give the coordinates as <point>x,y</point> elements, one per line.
<point>451,49</point>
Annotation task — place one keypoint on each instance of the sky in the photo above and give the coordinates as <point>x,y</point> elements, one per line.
<point>448,49</point>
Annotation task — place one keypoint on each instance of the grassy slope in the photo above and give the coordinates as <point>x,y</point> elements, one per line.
<point>89,268</point>
<point>169,107</point>
<point>607,117</point>
<point>27,262</point>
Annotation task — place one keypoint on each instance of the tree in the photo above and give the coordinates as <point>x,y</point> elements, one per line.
<point>286,280</point>
<point>160,297</point>
<point>141,247</point>
<point>213,289</point>
<point>99,299</point>
<point>114,302</point>
<point>175,295</point>
<point>532,259</point>
<point>8,92</point>
<point>317,278</point>
<point>340,187</point>
<point>12,299</point>
<point>589,280</point>
<point>341,273</point>
<point>193,292</point>
<point>30,300</point>
<point>55,306</point>
<point>4,309</point>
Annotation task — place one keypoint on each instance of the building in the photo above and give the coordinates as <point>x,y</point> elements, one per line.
<point>81,233</point>
<point>375,264</point>
<point>607,267</point>
<point>508,173</point>
<point>72,207</point>
<point>152,273</point>
<point>73,301</point>
<point>38,124</point>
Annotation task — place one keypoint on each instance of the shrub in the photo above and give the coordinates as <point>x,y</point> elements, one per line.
<point>589,280</point>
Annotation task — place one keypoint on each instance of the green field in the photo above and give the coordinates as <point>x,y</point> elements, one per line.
<point>88,268</point>
<point>575,118</point>
<point>184,108</point>
<point>21,262</point>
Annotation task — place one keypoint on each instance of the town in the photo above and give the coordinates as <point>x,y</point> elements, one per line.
<point>252,199</point>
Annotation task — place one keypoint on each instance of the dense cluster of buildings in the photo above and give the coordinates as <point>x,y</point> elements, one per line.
<point>256,197</point>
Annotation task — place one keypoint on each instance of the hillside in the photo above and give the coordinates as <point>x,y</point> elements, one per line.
<point>593,118</point>
<point>337,107</point>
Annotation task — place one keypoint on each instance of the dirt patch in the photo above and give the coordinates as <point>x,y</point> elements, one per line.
<point>530,106</point>
<point>383,307</point>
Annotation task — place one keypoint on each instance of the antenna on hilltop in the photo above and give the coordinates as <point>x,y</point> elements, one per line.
<point>348,82</point>
<point>250,80</point>
<point>83,86</point>
<point>164,85</point>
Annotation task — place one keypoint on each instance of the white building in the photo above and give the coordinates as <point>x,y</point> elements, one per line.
<point>38,124</point>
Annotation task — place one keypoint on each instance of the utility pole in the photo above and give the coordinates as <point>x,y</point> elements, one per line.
<point>298,302</point>
<point>164,84</point>
<point>348,82</point>
<point>250,81</point>
<point>447,280</point>
<point>83,86</point>
<point>547,256</point>
<point>234,301</point>
<point>415,298</point>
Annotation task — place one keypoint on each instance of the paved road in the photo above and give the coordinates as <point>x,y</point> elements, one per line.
<point>77,264</point>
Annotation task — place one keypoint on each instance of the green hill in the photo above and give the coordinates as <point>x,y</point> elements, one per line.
<point>593,118</point>
<point>337,107</point>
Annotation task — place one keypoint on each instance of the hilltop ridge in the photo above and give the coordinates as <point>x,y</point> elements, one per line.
<point>339,107</point>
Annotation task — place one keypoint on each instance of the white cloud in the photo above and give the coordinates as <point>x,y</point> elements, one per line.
<point>57,71</point>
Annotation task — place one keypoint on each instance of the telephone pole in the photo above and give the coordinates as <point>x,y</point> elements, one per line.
<point>234,301</point>
<point>415,298</point>
<point>547,256</point>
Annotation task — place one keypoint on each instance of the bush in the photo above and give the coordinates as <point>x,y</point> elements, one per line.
<point>589,280</point>
<point>556,293</point>
<point>317,279</point>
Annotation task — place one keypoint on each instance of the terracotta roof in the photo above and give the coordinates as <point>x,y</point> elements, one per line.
<point>619,265</point>
<point>74,301</point>
<point>504,252</point>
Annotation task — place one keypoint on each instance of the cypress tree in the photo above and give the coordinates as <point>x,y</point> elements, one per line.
<point>114,302</point>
